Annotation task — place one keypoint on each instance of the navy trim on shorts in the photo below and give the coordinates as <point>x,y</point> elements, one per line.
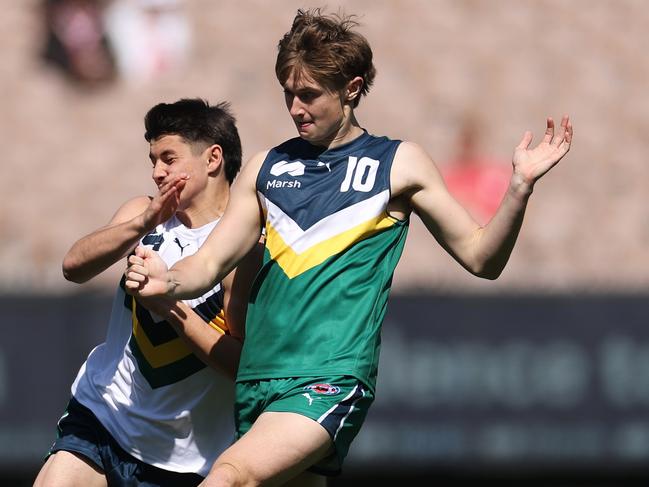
<point>334,419</point>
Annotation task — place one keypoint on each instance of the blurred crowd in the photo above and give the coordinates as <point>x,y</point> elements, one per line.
<point>93,41</point>
<point>462,78</point>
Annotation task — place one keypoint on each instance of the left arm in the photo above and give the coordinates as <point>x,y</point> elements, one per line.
<point>214,348</point>
<point>482,250</point>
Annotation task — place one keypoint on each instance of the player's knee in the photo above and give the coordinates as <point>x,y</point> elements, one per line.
<point>225,474</point>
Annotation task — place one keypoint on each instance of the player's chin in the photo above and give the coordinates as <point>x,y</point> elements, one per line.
<point>304,129</point>
<point>310,136</point>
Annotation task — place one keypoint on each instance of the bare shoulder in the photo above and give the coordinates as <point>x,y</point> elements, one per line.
<point>250,169</point>
<point>130,209</point>
<point>136,205</point>
<point>255,162</point>
<point>409,148</point>
<point>412,168</point>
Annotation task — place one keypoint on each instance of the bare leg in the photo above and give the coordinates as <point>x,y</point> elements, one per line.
<point>65,469</point>
<point>278,448</point>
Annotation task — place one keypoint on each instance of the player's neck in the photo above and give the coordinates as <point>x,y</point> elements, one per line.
<point>205,208</point>
<point>349,131</point>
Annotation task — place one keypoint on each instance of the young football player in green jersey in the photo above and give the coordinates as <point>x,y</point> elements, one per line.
<point>335,203</point>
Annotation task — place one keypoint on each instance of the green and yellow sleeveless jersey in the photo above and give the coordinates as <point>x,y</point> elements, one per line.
<point>320,298</point>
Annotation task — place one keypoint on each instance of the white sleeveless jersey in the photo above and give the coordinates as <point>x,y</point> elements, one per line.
<point>156,398</point>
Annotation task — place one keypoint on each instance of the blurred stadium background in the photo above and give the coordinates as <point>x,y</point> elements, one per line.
<point>538,378</point>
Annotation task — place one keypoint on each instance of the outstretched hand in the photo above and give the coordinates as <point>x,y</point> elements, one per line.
<point>146,274</point>
<point>531,164</point>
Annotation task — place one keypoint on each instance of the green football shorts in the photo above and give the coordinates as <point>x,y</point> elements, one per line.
<point>339,404</point>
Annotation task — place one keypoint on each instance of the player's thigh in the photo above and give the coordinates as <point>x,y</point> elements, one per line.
<point>278,447</point>
<point>65,469</point>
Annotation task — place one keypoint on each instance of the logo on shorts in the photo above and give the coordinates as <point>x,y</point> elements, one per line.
<point>326,389</point>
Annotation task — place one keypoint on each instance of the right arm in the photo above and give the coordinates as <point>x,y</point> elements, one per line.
<point>236,234</point>
<point>97,251</point>
<point>482,250</point>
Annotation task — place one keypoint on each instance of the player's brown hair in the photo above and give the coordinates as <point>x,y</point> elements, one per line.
<point>327,49</point>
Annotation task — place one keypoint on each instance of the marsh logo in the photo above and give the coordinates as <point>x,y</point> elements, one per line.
<point>275,183</point>
<point>292,168</point>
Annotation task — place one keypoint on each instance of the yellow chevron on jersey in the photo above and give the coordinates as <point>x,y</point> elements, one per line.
<point>294,264</point>
<point>219,324</point>
<point>157,355</point>
<point>296,250</point>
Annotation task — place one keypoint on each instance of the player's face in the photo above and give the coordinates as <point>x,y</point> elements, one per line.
<point>317,112</point>
<point>172,155</point>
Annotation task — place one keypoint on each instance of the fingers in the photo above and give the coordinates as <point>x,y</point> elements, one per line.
<point>558,138</point>
<point>177,181</point>
<point>171,185</point>
<point>525,141</point>
<point>169,189</point>
<point>561,139</point>
<point>168,196</point>
<point>132,286</point>
<point>136,273</point>
<point>567,130</point>
<point>169,182</point>
<point>564,136</point>
<point>135,276</point>
<point>134,281</point>
<point>549,131</point>
<point>565,120</point>
<point>137,258</point>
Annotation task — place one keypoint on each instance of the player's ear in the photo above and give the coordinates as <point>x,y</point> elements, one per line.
<point>214,157</point>
<point>354,87</point>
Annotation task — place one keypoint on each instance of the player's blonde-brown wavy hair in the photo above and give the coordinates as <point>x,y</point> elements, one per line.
<point>326,49</point>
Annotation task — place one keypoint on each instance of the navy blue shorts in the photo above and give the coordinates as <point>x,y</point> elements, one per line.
<point>80,432</point>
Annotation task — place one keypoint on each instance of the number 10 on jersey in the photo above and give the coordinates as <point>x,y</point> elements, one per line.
<point>361,175</point>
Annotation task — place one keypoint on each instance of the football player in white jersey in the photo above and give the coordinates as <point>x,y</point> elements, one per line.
<point>145,409</point>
